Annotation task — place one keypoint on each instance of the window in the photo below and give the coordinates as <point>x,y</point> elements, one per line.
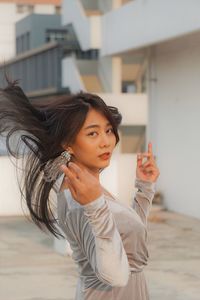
<point>23,42</point>
<point>18,46</point>
<point>128,87</point>
<point>56,35</point>
<point>27,39</point>
<point>58,10</point>
<point>25,8</point>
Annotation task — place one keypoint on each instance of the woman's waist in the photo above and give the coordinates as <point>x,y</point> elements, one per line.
<point>137,261</point>
<point>91,278</point>
<point>136,270</point>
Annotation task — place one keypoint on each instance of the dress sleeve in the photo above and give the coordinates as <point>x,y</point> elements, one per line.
<point>142,201</point>
<point>101,243</point>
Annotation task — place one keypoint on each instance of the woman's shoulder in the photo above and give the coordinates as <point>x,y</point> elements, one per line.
<point>66,197</point>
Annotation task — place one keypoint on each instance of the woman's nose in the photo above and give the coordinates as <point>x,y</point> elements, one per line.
<point>105,140</point>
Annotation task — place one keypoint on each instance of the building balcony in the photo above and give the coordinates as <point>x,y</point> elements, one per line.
<point>139,23</point>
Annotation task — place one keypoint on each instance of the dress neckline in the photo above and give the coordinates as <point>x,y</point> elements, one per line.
<point>112,198</point>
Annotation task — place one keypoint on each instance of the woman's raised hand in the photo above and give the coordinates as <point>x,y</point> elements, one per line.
<point>83,186</point>
<point>147,171</point>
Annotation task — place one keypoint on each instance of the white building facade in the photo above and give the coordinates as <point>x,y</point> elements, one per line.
<point>149,49</point>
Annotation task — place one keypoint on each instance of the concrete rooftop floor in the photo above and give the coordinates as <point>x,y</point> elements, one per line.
<point>31,270</point>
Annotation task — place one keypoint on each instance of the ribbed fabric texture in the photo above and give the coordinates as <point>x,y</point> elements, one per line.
<point>109,243</point>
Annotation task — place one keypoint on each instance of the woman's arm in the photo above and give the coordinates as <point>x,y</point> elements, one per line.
<point>103,246</point>
<point>110,259</point>
<point>143,198</point>
<point>94,229</point>
<point>147,174</point>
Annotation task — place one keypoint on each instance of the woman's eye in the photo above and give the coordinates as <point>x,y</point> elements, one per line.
<point>92,133</point>
<point>111,129</point>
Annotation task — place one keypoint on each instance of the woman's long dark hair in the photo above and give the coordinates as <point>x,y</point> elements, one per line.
<point>40,130</point>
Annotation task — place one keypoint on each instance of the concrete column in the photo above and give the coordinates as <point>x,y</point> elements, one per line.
<point>110,73</point>
<point>139,85</point>
<point>116,74</point>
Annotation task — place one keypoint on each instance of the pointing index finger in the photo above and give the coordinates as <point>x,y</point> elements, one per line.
<point>150,148</point>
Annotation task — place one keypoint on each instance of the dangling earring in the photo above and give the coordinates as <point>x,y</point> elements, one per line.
<point>52,168</point>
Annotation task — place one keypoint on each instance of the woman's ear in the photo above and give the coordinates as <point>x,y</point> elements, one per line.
<point>67,148</point>
<point>70,150</point>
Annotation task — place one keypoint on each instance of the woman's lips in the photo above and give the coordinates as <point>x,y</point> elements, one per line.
<point>105,156</point>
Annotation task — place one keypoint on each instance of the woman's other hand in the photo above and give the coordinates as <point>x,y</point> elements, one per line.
<point>83,186</point>
<point>147,171</point>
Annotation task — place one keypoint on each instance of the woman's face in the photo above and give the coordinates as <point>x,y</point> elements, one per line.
<point>95,138</point>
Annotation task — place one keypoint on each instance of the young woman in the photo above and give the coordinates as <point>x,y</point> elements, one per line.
<point>68,142</point>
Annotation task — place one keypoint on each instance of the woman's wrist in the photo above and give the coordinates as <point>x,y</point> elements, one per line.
<point>95,203</point>
<point>146,187</point>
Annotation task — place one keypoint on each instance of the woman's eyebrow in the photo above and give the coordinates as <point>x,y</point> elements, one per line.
<point>95,126</point>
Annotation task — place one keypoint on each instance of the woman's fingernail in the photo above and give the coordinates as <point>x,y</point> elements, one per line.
<point>63,168</point>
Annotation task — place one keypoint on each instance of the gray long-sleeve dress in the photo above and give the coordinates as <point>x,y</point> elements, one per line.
<point>109,243</point>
